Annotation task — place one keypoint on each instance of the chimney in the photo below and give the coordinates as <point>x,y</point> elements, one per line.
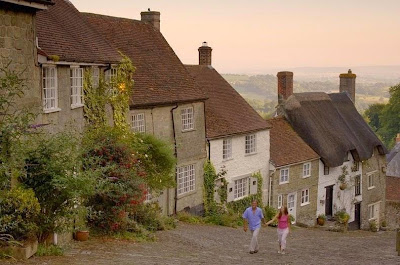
<point>285,85</point>
<point>398,138</point>
<point>205,54</point>
<point>152,17</point>
<point>348,84</point>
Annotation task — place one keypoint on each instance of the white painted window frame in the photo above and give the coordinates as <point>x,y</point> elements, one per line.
<point>186,176</point>
<point>282,174</point>
<point>306,170</point>
<point>371,179</point>
<point>241,188</point>
<point>305,197</point>
<point>95,76</point>
<point>250,144</point>
<point>371,211</point>
<point>76,84</point>
<point>187,117</point>
<point>280,201</point>
<point>357,185</point>
<point>138,122</point>
<point>50,85</point>
<point>227,149</point>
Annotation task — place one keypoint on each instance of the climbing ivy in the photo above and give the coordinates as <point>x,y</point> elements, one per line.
<point>95,100</point>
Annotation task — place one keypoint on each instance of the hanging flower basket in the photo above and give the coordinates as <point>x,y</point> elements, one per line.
<point>343,186</point>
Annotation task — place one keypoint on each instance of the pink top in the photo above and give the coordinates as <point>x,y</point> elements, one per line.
<point>283,222</point>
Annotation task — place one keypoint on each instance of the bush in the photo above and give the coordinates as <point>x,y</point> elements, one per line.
<point>53,172</point>
<point>150,217</point>
<point>188,218</point>
<point>49,250</point>
<point>342,217</point>
<point>19,209</point>
<point>270,213</point>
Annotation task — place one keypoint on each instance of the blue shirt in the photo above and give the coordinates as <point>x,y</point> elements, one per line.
<point>254,219</point>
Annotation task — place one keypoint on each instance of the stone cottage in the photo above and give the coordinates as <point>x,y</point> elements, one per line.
<point>237,137</point>
<point>166,102</point>
<point>18,48</point>
<point>67,46</point>
<point>393,186</point>
<point>352,158</point>
<point>294,173</point>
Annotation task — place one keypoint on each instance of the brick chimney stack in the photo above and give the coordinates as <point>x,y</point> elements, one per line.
<point>348,84</point>
<point>205,54</point>
<point>398,138</point>
<point>152,17</point>
<point>285,85</point>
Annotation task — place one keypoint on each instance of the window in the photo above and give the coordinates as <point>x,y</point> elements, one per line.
<point>306,170</point>
<point>241,188</point>
<point>305,197</point>
<point>371,180</point>
<point>373,211</point>
<point>250,144</point>
<point>326,170</point>
<point>290,203</point>
<point>186,179</point>
<point>187,119</point>
<point>227,149</point>
<point>96,77</point>
<point>138,124</point>
<point>76,86</point>
<point>355,166</point>
<point>284,176</point>
<point>357,185</point>
<point>280,201</point>
<point>111,74</point>
<point>49,85</point>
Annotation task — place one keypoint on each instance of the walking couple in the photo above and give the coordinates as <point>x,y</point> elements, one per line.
<point>253,216</point>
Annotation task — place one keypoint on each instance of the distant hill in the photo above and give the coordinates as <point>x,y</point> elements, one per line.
<point>372,85</point>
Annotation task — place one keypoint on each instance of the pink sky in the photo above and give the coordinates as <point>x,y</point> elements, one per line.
<point>252,36</point>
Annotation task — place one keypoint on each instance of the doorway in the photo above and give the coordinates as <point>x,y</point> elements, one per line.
<point>291,204</point>
<point>329,201</point>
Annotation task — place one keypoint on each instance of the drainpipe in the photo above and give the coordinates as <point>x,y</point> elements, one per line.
<point>209,149</point>
<point>176,156</point>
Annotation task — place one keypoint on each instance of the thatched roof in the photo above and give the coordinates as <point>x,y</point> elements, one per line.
<point>393,159</point>
<point>332,126</point>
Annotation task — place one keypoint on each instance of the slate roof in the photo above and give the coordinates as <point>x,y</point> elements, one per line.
<point>227,113</point>
<point>332,126</point>
<point>63,31</point>
<point>160,77</point>
<point>393,159</point>
<point>287,147</point>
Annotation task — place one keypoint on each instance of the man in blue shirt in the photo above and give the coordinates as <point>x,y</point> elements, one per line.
<point>253,216</point>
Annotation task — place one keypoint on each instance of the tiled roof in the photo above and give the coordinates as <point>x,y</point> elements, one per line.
<point>393,159</point>
<point>227,113</point>
<point>287,147</point>
<point>160,76</point>
<point>63,31</point>
<point>332,126</point>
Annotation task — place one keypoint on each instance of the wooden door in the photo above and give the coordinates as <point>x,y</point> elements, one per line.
<point>329,201</point>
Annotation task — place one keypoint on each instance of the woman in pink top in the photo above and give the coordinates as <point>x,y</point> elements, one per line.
<point>283,227</point>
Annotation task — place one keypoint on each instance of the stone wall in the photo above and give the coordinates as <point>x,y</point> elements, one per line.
<point>18,49</point>
<point>305,214</point>
<point>377,194</point>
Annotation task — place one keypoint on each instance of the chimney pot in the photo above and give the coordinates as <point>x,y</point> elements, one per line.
<point>285,85</point>
<point>152,17</point>
<point>205,54</point>
<point>348,84</point>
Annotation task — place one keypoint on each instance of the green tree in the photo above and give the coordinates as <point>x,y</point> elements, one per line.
<point>390,117</point>
<point>372,115</point>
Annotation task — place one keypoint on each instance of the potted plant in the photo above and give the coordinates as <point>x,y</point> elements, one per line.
<point>384,225</point>
<point>342,219</point>
<point>80,223</point>
<point>321,219</point>
<point>373,226</point>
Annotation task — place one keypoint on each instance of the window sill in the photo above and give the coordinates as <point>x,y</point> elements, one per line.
<point>75,106</point>
<point>357,195</point>
<point>46,111</point>
<point>304,177</point>
<point>285,182</point>
<point>304,204</point>
<point>188,130</point>
<point>188,193</point>
<point>228,159</point>
<point>251,154</point>
<point>372,187</point>
<point>239,198</point>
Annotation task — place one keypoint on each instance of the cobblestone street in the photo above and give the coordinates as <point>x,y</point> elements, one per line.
<point>201,244</point>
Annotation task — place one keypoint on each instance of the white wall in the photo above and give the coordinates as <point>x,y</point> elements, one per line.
<point>241,164</point>
<point>341,198</point>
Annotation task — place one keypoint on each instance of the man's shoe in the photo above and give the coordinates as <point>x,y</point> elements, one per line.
<point>255,251</point>
<point>251,252</point>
